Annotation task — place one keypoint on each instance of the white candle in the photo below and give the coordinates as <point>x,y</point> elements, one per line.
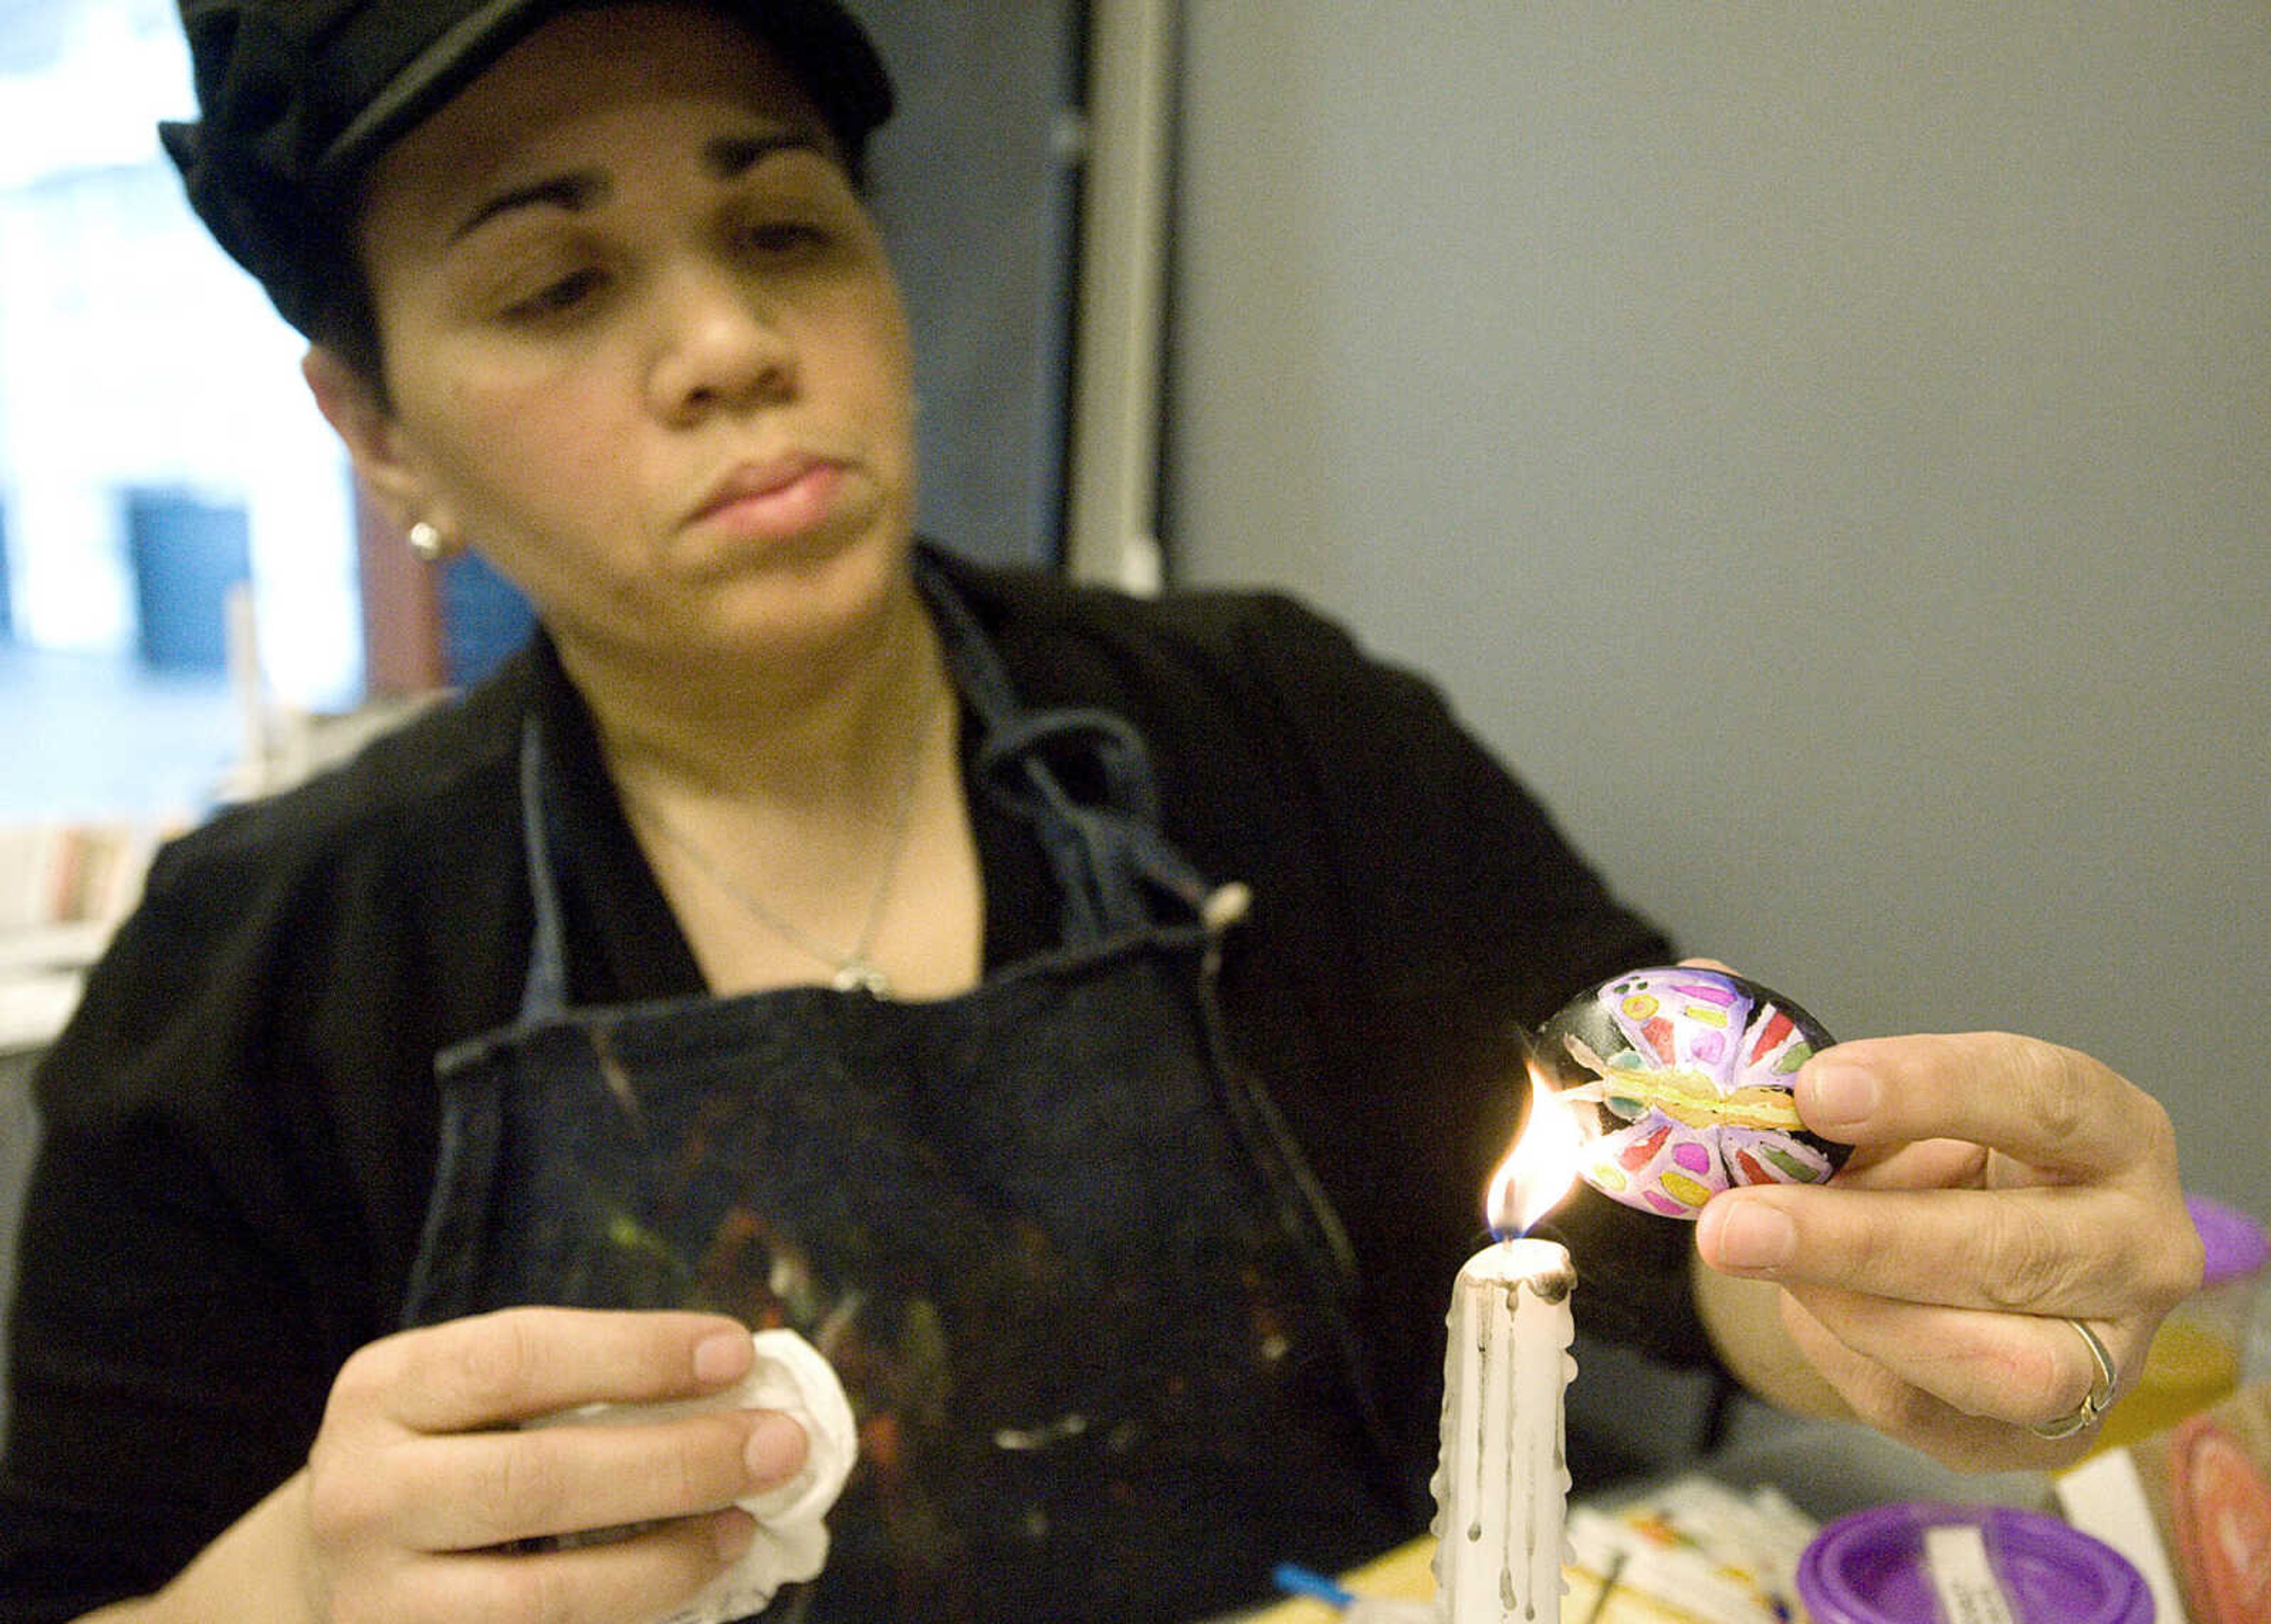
<point>1502,1480</point>
<point>1502,1483</point>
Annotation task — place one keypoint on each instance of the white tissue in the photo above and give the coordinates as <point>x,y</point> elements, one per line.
<point>791,1538</point>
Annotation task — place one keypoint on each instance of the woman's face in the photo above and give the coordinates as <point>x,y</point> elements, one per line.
<point>642,347</point>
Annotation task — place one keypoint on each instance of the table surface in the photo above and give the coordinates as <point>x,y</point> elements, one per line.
<point>1826,1469</point>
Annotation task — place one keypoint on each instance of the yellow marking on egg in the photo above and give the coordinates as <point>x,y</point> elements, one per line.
<point>1684,1190</point>
<point>1691,1097</point>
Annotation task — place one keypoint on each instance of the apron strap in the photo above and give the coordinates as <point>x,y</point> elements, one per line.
<point>1110,859</point>
<point>545,994</point>
<point>1106,852</point>
<point>1103,853</point>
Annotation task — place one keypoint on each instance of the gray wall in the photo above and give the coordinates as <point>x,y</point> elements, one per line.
<point>1826,449</point>
<point>975,192</point>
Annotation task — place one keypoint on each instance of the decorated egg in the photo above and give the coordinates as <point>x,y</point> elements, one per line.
<point>1688,1074</point>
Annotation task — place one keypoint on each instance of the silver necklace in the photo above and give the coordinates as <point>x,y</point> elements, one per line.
<point>856,972</point>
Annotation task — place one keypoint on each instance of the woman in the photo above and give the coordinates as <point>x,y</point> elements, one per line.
<point>1090,1021</point>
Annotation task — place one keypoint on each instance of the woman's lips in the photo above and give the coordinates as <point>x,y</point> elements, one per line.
<point>775,503</point>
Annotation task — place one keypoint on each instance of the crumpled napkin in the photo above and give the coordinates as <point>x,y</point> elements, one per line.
<point>791,1538</point>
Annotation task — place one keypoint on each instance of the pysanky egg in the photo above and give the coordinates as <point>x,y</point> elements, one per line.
<point>1688,1074</point>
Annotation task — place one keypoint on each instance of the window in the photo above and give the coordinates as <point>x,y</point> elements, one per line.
<point>158,455</point>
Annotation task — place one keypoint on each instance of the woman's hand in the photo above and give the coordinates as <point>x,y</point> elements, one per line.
<point>423,1500</point>
<point>2000,1188</point>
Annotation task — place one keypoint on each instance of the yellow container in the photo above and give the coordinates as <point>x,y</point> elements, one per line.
<point>2213,1340</point>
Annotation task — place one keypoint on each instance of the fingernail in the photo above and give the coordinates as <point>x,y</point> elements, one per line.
<point>1839,1095</point>
<point>776,1448</point>
<point>722,1358</point>
<point>733,1530</point>
<point>1752,1235</point>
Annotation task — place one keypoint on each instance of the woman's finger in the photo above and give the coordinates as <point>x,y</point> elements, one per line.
<point>1916,1416</point>
<point>1967,1389</point>
<point>2017,1369</point>
<point>474,1490</point>
<point>638,1579</point>
<point>2048,1108</point>
<point>2052,1249</point>
<point>517,1364</point>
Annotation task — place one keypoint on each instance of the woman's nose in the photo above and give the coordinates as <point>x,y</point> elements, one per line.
<point>722,345</point>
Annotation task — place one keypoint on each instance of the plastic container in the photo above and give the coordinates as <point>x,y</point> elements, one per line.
<point>2234,1301</point>
<point>2214,1341</point>
<point>1872,1567</point>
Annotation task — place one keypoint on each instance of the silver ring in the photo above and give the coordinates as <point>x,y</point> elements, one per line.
<point>2094,1403</point>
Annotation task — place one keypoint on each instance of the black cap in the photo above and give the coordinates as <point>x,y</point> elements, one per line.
<point>297,97</point>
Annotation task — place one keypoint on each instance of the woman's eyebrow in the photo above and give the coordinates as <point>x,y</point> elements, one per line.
<point>729,157</point>
<point>574,192</point>
<point>726,158</point>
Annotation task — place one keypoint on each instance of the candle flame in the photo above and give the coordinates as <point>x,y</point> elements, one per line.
<point>1542,1165</point>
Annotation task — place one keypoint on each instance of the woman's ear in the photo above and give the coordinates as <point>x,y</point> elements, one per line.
<point>358,412</point>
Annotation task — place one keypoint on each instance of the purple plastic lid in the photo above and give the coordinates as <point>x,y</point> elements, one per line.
<point>2237,1245</point>
<point>1869,1568</point>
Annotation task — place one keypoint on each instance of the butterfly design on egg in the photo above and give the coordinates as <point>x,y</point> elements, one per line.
<point>1689,1073</point>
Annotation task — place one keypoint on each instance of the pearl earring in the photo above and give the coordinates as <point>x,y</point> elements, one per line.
<point>426,541</point>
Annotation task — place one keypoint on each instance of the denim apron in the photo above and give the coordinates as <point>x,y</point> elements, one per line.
<point>1090,1306</point>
